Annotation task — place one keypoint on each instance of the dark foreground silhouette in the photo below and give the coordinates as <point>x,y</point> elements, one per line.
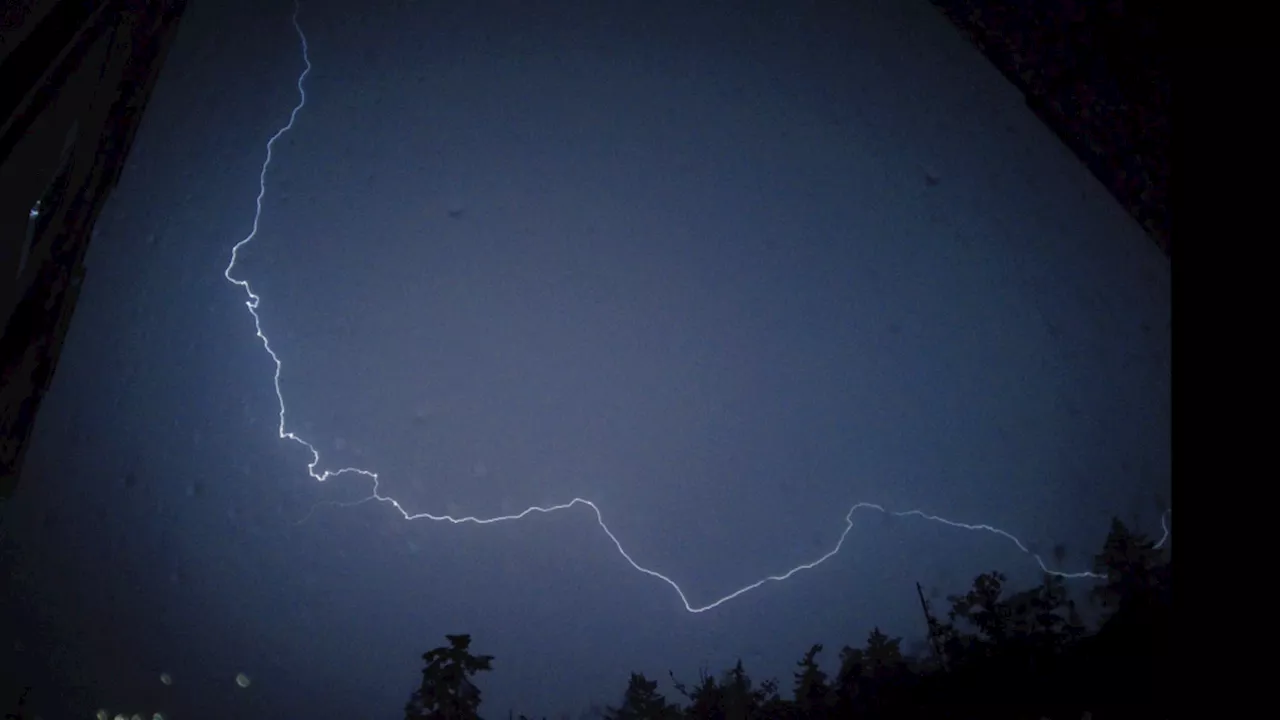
<point>995,654</point>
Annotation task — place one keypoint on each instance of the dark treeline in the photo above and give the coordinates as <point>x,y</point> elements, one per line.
<point>994,653</point>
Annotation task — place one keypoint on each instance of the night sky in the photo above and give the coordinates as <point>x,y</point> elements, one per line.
<point>723,273</point>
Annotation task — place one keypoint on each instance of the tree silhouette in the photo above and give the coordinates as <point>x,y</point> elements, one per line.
<point>706,700</point>
<point>1044,617</point>
<point>978,623</point>
<point>1032,624</point>
<point>642,701</point>
<point>813,696</point>
<point>734,697</point>
<point>447,691</point>
<point>1135,641</point>
<point>1135,569</point>
<point>866,672</point>
<point>883,655</point>
<point>1027,651</point>
<point>850,679</point>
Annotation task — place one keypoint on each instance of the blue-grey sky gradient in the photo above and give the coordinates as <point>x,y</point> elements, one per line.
<point>680,259</point>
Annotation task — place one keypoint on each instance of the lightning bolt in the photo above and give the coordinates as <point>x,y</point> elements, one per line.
<point>254,301</point>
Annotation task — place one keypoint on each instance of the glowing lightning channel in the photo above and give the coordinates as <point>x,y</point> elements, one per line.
<point>321,476</point>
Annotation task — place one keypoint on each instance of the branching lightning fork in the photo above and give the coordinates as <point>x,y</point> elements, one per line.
<point>254,301</point>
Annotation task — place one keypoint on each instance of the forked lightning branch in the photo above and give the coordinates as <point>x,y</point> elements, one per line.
<point>316,471</point>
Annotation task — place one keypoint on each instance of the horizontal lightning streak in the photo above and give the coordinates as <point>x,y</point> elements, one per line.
<point>323,475</point>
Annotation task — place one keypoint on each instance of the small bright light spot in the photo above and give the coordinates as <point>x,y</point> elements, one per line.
<point>102,715</point>
<point>166,678</point>
<point>242,680</point>
<point>157,716</point>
